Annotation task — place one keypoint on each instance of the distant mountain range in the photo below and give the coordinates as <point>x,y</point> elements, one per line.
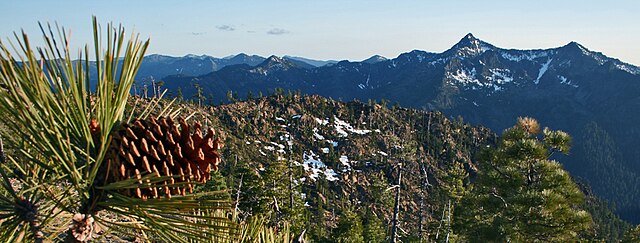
<point>157,66</point>
<point>593,97</point>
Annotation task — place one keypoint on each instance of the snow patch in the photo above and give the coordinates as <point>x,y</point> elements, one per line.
<point>322,122</point>
<point>342,127</point>
<point>628,68</point>
<point>596,56</point>
<point>543,70</point>
<point>500,75</point>
<point>270,148</point>
<point>345,161</point>
<point>474,48</point>
<point>465,77</point>
<point>317,135</point>
<point>315,166</point>
<point>279,145</point>
<point>566,81</point>
<point>526,55</point>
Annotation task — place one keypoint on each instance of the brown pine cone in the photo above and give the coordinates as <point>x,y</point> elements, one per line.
<point>164,148</point>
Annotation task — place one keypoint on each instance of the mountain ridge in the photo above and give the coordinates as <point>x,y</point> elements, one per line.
<point>567,87</point>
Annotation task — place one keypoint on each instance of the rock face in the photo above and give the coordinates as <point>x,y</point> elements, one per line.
<point>568,88</point>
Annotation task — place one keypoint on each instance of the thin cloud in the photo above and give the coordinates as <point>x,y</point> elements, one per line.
<point>277,31</point>
<point>225,27</point>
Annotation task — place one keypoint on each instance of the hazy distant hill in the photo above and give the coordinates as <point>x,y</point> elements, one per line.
<point>157,66</point>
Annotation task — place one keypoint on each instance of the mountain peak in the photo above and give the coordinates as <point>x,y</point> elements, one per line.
<point>375,59</point>
<point>575,45</point>
<point>194,56</point>
<point>575,48</point>
<point>276,62</point>
<point>470,36</point>
<point>274,58</point>
<point>244,58</point>
<point>241,55</point>
<point>469,39</point>
<point>469,46</point>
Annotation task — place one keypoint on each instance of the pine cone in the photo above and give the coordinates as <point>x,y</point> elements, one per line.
<point>161,147</point>
<point>82,227</point>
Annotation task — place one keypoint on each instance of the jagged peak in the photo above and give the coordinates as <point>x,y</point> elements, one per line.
<point>575,45</point>
<point>274,58</point>
<point>470,36</point>
<point>575,48</point>
<point>469,45</point>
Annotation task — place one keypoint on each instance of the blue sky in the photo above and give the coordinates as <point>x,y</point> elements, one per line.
<point>351,30</point>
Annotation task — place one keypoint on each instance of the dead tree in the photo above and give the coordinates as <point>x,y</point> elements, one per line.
<point>396,208</point>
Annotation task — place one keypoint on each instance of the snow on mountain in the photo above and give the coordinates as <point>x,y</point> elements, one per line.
<point>314,166</point>
<point>200,57</point>
<point>343,127</point>
<point>543,69</point>
<point>628,68</point>
<point>464,77</point>
<point>375,59</point>
<point>530,55</point>
<point>566,81</point>
<point>470,46</point>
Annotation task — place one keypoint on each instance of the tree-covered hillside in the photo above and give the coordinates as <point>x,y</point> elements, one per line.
<point>329,167</point>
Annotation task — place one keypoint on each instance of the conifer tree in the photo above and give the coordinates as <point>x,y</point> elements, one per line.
<point>521,194</point>
<point>453,189</point>
<point>374,229</point>
<point>633,235</point>
<point>349,229</point>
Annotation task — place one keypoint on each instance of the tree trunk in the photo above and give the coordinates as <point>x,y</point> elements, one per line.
<point>421,225</point>
<point>153,85</point>
<point>238,192</point>
<point>396,208</point>
<point>423,193</point>
<point>440,225</point>
<point>448,220</point>
<point>290,143</point>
